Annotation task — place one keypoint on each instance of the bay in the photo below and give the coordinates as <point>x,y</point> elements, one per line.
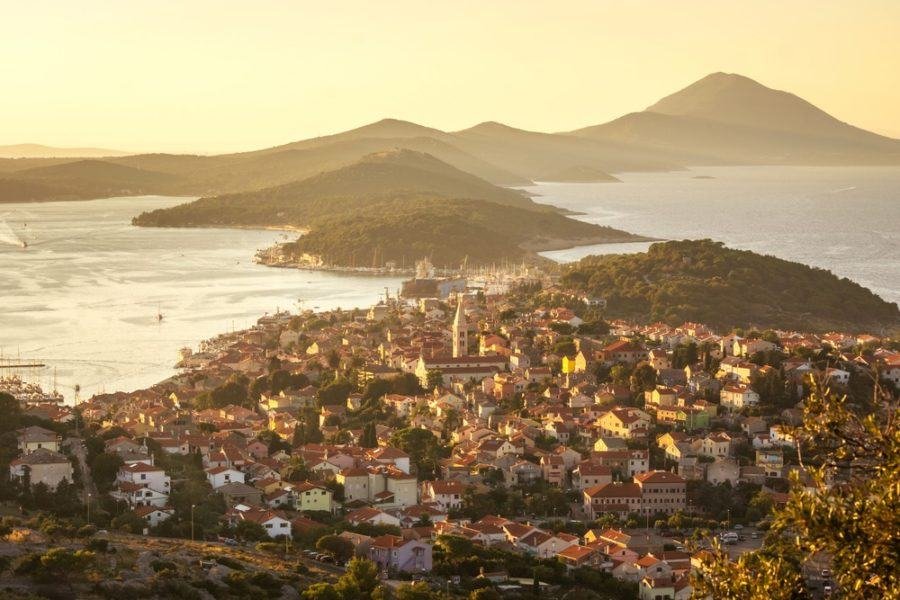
<point>83,296</point>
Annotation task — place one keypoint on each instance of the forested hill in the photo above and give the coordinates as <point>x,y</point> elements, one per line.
<point>396,206</point>
<point>707,282</point>
<point>449,232</point>
<point>329,194</point>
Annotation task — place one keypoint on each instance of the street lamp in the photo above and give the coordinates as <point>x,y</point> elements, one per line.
<point>193,506</point>
<point>89,496</point>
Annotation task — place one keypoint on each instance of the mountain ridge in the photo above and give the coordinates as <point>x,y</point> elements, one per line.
<point>31,150</point>
<point>720,119</point>
<point>726,118</point>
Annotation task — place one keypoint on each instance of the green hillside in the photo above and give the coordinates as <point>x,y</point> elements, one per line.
<point>396,206</point>
<point>300,204</point>
<point>448,231</point>
<point>707,282</point>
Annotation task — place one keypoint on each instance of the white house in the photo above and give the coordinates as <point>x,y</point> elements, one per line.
<point>154,515</point>
<point>446,494</point>
<point>274,524</point>
<point>737,396</point>
<point>34,438</point>
<point>219,476</point>
<point>145,475</point>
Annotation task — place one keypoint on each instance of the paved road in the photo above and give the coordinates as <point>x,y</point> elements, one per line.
<point>76,444</point>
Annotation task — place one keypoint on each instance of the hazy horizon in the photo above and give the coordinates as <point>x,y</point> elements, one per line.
<point>211,77</point>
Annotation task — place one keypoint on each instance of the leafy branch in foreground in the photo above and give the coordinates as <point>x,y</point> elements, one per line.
<point>846,511</point>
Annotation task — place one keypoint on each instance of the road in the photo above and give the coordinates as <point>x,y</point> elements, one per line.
<point>76,444</point>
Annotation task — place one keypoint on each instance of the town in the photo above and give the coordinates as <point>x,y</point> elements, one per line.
<point>475,443</point>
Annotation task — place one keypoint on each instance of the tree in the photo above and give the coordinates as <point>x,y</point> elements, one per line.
<point>10,412</point>
<point>233,391</point>
<point>104,468</point>
<point>369,438</point>
<point>361,577</point>
<point>273,441</point>
<point>250,531</point>
<point>564,347</point>
<point>853,520</point>
<point>340,548</point>
<point>485,593</point>
<point>422,446</point>
<point>321,591</point>
<point>415,591</point>
<point>308,430</point>
<point>335,392</point>
<point>643,379</point>
<point>434,378</point>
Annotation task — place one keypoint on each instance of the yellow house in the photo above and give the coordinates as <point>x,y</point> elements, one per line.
<point>578,364</point>
<point>312,497</point>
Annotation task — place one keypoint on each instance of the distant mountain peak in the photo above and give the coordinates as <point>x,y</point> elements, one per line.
<point>390,127</point>
<point>739,100</point>
<point>494,128</point>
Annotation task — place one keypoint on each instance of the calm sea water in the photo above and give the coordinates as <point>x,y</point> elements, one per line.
<point>83,297</point>
<point>846,220</point>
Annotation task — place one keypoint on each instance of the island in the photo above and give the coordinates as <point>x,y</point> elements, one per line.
<point>390,209</point>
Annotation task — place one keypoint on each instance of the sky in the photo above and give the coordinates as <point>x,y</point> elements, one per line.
<point>216,76</point>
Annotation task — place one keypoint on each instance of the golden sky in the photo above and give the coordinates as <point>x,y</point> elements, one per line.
<point>221,75</point>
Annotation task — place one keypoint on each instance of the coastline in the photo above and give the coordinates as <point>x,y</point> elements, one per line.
<point>273,256</point>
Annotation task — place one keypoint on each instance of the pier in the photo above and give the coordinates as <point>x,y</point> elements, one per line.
<point>9,363</point>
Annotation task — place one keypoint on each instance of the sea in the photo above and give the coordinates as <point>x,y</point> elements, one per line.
<point>84,296</point>
<point>844,219</point>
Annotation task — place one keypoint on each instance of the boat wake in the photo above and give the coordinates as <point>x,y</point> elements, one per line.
<point>8,236</point>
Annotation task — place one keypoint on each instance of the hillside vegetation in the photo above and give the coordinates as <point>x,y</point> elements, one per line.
<point>83,179</point>
<point>448,231</point>
<point>707,282</point>
<point>351,188</point>
<point>396,206</point>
